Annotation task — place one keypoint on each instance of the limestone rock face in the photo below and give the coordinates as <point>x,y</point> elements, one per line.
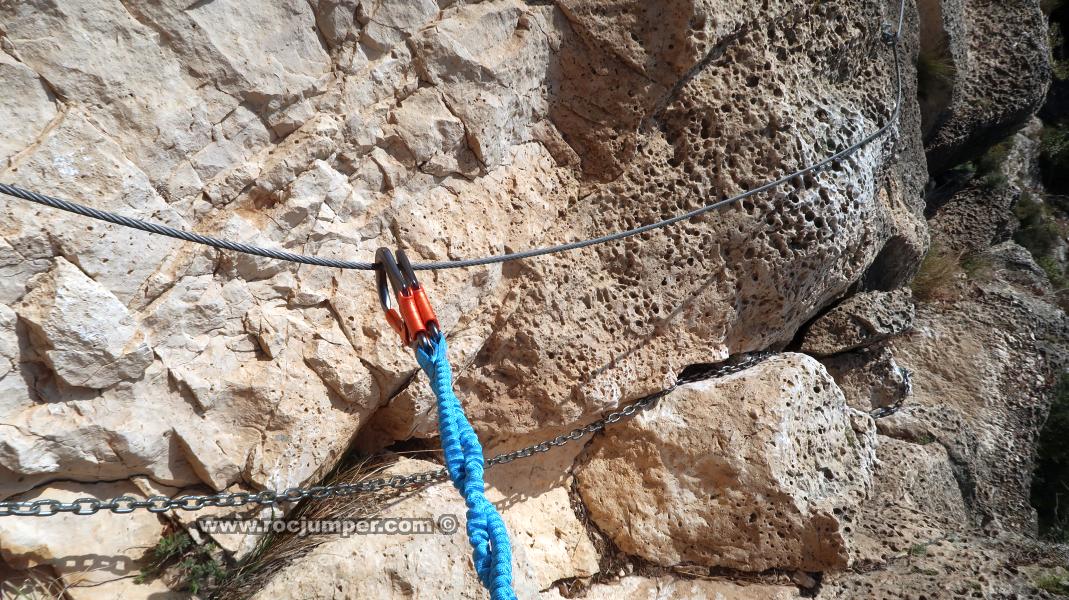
<point>81,330</point>
<point>713,281</point>
<point>549,544</point>
<point>918,477</point>
<point>951,566</point>
<point>772,486</point>
<point>980,378</point>
<point>996,58</point>
<point>467,129</point>
<point>862,320</point>
<point>333,127</point>
<point>949,514</point>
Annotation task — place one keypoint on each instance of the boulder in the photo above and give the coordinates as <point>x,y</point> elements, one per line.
<point>860,320</point>
<point>997,60</point>
<point>81,330</point>
<point>759,470</point>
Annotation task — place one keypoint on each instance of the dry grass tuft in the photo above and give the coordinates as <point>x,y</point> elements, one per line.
<point>274,552</point>
<point>35,584</point>
<point>938,276</point>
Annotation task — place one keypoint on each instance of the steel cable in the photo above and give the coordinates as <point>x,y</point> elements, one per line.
<point>890,36</point>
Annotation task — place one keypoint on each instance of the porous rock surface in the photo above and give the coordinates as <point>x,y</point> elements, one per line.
<point>981,370</point>
<point>950,515</point>
<point>997,59</point>
<point>456,130</point>
<point>773,486</point>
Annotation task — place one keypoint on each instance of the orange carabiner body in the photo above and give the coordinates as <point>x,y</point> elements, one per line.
<point>413,318</point>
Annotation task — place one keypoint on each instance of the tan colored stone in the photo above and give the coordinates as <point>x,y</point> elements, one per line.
<point>135,83</point>
<point>641,588</point>
<point>96,557</point>
<point>979,376</point>
<point>240,122</point>
<point>919,477</point>
<point>78,160</point>
<point>386,22</point>
<point>434,135</point>
<point>82,331</point>
<point>997,81</point>
<point>550,547</point>
<point>28,107</point>
<point>491,62</point>
<point>953,566</point>
<point>762,469</point>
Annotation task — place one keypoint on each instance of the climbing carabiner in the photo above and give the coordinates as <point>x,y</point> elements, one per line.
<point>413,318</point>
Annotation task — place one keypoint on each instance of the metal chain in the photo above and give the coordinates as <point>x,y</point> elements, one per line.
<point>881,412</point>
<point>161,504</point>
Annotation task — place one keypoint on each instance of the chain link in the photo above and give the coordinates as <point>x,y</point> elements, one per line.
<point>881,412</point>
<point>189,502</point>
<point>161,504</point>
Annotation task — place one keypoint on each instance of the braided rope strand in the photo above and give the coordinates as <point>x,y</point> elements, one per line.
<point>491,549</point>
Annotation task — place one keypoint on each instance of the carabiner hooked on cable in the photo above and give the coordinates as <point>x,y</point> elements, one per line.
<point>413,319</point>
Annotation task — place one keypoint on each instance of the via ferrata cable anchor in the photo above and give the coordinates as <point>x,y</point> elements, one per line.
<point>413,318</point>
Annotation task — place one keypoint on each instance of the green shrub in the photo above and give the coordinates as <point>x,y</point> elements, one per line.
<point>989,166</point>
<point>977,267</point>
<point>1050,484</point>
<point>1054,584</point>
<point>1058,63</point>
<point>994,158</point>
<point>1054,272</point>
<point>1038,231</point>
<point>1054,157</point>
<point>198,570</point>
<point>935,68</point>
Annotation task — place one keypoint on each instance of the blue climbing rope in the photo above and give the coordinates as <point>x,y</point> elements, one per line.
<point>491,550</point>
